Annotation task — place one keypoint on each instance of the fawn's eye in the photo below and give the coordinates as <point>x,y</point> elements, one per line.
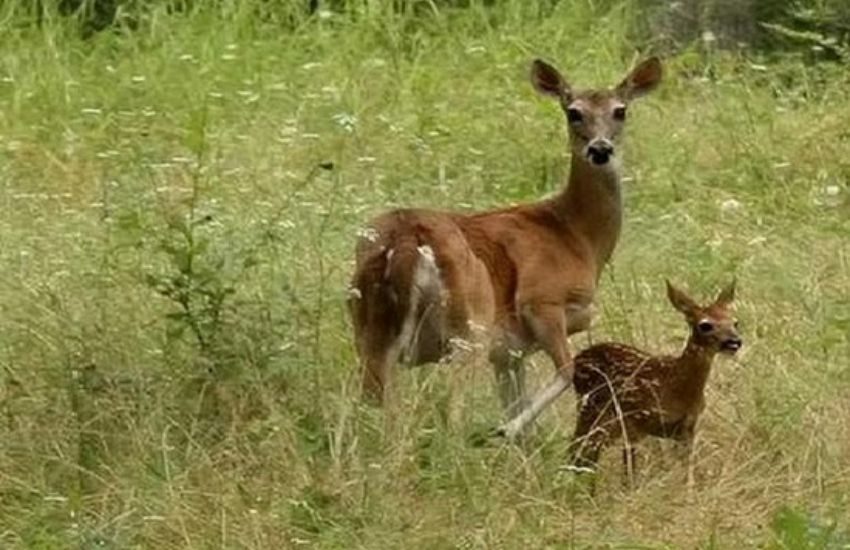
<point>620,113</point>
<point>705,327</point>
<point>574,116</point>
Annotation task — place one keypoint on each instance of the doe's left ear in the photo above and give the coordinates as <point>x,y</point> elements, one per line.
<point>727,295</point>
<point>547,80</point>
<point>643,79</point>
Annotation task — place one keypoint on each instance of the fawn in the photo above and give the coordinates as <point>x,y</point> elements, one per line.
<point>625,392</point>
<point>526,275</point>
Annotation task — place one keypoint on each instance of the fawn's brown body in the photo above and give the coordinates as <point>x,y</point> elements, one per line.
<point>525,275</point>
<point>630,394</point>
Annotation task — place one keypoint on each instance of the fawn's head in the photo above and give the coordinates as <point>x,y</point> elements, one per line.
<point>596,117</point>
<point>712,326</point>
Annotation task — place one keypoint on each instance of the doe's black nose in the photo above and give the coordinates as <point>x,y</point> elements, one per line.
<point>600,153</point>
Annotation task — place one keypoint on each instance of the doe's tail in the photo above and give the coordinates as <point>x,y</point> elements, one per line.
<point>393,290</point>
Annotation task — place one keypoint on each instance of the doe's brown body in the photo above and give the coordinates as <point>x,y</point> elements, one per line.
<point>519,279</point>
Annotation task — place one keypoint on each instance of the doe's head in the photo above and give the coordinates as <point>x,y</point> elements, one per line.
<point>712,326</point>
<point>595,118</point>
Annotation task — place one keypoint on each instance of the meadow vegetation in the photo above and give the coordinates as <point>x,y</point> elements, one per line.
<point>181,193</point>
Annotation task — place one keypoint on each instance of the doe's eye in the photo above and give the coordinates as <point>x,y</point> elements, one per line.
<point>574,116</point>
<point>620,113</point>
<point>705,327</point>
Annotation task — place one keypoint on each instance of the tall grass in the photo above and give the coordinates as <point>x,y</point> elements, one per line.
<point>179,204</point>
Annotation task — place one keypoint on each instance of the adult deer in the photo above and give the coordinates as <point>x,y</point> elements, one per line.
<point>526,275</point>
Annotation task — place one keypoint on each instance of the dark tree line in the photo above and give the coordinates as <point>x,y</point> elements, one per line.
<point>767,25</point>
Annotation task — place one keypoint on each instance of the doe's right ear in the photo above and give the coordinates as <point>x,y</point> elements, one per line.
<point>547,80</point>
<point>641,80</point>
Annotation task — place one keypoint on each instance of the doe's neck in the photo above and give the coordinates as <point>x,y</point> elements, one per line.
<point>592,204</point>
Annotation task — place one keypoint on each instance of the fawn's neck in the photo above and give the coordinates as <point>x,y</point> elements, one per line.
<point>592,205</point>
<point>693,367</point>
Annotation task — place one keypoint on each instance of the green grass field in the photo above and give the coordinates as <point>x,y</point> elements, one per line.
<point>178,212</point>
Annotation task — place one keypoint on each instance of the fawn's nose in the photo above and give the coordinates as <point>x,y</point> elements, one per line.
<point>600,151</point>
<point>732,344</point>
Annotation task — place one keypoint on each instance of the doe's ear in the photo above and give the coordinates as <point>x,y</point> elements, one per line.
<point>681,301</point>
<point>727,295</point>
<point>643,79</point>
<point>548,81</point>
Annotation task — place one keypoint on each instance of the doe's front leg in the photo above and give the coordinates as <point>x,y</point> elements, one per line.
<point>548,325</point>
<point>509,368</point>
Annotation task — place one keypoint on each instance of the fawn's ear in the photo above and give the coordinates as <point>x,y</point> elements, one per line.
<point>681,301</point>
<point>727,295</point>
<point>548,81</point>
<point>642,80</point>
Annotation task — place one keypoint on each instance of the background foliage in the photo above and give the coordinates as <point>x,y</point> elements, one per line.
<point>182,183</point>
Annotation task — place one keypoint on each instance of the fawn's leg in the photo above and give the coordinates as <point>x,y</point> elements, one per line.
<point>548,324</point>
<point>685,440</point>
<point>631,436</point>
<point>629,456</point>
<point>590,437</point>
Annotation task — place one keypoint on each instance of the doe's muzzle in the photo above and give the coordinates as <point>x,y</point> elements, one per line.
<point>600,151</point>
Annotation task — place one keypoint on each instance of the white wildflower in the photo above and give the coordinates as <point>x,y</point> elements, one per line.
<point>730,205</point>
<point>346,121</point>
<point>375,62</point>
